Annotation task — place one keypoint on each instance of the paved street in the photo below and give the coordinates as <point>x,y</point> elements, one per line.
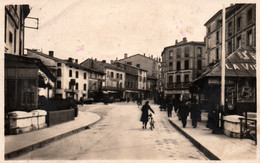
<point>119,135</point>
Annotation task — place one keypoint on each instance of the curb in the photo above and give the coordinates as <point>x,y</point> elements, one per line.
<point>43,143</point>
<point>204,150</point>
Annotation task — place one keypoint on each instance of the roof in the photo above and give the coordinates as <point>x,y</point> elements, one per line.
<point>183,44</point>
<point>229,10</point>
<point>241,63</point>
<point>67,62</point>
<point>35,61</point>
<point>153,59</point>
<point>130,66</point>
<point>107,65</point>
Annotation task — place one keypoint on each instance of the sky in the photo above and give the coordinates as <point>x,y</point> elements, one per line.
<point>106,29</point>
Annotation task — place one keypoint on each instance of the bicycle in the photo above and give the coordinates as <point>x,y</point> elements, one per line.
<point>151,121</point>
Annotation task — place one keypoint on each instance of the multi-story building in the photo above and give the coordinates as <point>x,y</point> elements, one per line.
<point>240,30</point>
<point>181,63</point>
<point>114,83</point>
<point>14,28</point>
<point>22,75</point>
<point>151,65</point>
<point>73,80</point>
<point>135,81</point>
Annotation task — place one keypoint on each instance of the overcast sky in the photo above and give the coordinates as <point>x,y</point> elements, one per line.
<point>106,29</point>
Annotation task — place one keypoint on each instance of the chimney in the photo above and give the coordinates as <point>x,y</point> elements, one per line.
<point>184,39</point>
<point>152,56</point>
<point>144,54</point>
<point>125,55</point>
<point>51,53</point>
<point>76,61</point>
<point>70,60</point>
<point>111,61</point>
<point>103,61</point>
<point>176,42</point>
<point>159,59</point>
<point>116,58</point>
<point>95,59</point>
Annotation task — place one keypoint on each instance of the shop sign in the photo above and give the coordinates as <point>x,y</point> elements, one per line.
<point>246,91</point>
<point>213,82</point>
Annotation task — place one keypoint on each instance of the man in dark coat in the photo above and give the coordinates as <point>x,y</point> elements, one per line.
<point>195,113</point>
<point>169,109</point>
<point>183,111</point>
<point>144,118</point>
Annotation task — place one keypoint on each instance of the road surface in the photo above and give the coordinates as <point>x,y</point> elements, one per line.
<point>119,136</point>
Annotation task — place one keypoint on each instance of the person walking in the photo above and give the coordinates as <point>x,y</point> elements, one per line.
<point>169,109</point>
<point>195,113</point>
<point>183,111</point>
<point>144,118</point>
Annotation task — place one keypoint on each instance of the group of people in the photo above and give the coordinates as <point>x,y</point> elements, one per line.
<point>182,107</point>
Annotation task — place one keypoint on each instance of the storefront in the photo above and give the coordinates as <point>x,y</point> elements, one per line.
<point>23,79</point>
<point>240,83</point>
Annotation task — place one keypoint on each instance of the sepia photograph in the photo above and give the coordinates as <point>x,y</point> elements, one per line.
<point>129,80</point>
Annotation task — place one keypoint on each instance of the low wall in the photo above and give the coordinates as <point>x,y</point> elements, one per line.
<point>57,117</point>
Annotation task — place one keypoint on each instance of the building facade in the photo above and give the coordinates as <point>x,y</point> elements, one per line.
<point>151,65</point>
<point>114,81</point>
<point>73,80</point>
<point>240,30</point>
<point>182,63</point>
<point>15,16</point>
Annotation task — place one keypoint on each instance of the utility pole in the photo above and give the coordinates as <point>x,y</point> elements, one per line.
<point>223,67</point>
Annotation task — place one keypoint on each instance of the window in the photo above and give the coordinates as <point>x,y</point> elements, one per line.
<point>186,64</point>
<point>140,78</point>
<point>229,47</point>
<point>209,43</point>
<point>170,66</point>
<point>129,63</point>
<point>187,51</point>
<point>141,72</point>
<point>170,54</point>
<point>58,72</point>
<point>85,75</point>
<point>77,74</point>
<point>219,22</point>
<point>117,75</point>
<point>238,23</point>
<point>217,37</point>
<point>238,41</point>
<point>199,51</point>
<point>121,76</point>
<point>15,40</point>
<point>58,84</point>
<point>120,85</point>
<point>70,73</point>
<point>199,65</point>
<point>209,30</point>
<point>143,79</point>
<point>178,79</point>
<point>10,37</point>
<point>85,87</point>
<point>107,73</point>
<point>112,74</point>
<point>217,54</point>
<point>249,15</point>
<point>58,64</point>
<point>179,53</point>
<point>186,78</point>
<point>77,86</point>
<point>249,38</point>
<point>229,28</point>
<point>138,65</point>
<point>170,79</point>
<point>178,65</point>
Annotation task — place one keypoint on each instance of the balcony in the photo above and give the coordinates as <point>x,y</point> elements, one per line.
<point>113,88</point>
<point>181,85</point>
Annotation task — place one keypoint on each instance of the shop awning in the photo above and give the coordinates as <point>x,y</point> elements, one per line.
<point>241,63</point>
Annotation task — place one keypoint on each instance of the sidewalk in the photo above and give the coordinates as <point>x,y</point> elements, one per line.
<point>16,145</point>
<point>215,146</point>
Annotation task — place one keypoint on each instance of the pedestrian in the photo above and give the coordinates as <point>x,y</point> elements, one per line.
<point>169,109</point>
<point>144,118</point>
<point>195,113</point>
<point>183,111</point>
